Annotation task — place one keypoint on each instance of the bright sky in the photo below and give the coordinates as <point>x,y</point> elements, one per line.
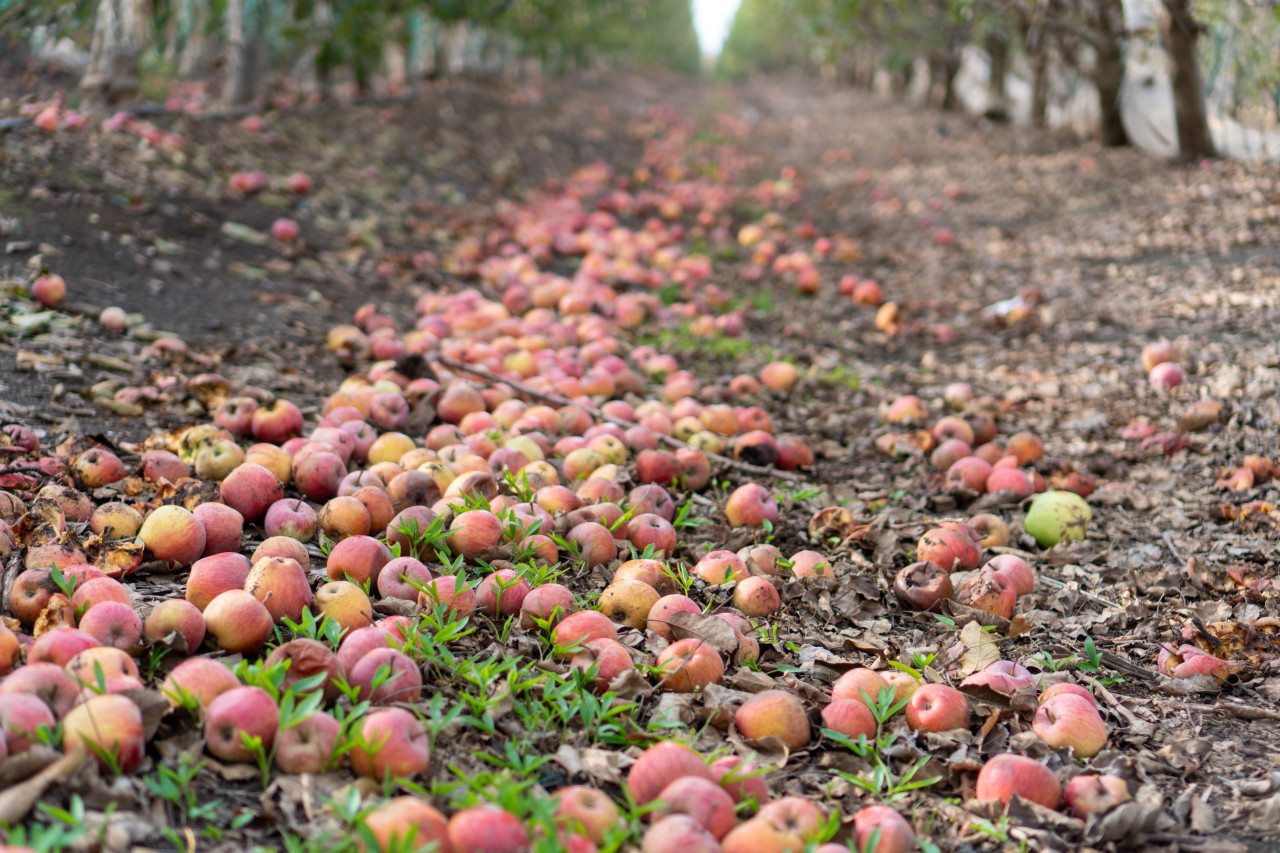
<point>712,19</point>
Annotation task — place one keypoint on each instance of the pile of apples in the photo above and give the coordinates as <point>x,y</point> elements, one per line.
<point>956,547</point>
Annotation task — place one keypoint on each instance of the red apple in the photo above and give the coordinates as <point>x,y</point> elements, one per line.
<point>774,713</point>
<point>176,616</point>
<point>937,708</point>
<point>390,743</point>
<point>109,724</point>
<point>894,832</point>
<point>174,534</point>
<point>308,745</point>
<point>236,713</point>
<point>659,766</point>
<point>203,679</point>
<point>487,829</point>
<point>1090,793</point>
<point>1071,722</point>
<point>397,821</point>
<point>238,623</point>
<point>1007,774</point>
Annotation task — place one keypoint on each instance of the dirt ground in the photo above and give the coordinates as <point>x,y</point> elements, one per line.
<point>950,215</point>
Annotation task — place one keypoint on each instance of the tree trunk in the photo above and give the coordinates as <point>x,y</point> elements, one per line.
<point>1108,70</point>
<point>997,44</point>
<point>1180,34</point>
<point>1108,77</point>
<point>240,78</point>
<point>121,29</point>
<point>1040,87</point>
<point>194,17</point>
<point>950,68</point>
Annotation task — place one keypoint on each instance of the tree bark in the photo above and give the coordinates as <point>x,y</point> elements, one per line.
<point>1108,70</point>
<point>241,77</point>
<point>121,29</point>
<point>1180,34</point>
<point>950,68</point>
<point>997,44</point>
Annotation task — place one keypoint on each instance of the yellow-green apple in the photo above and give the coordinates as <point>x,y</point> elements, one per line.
<point>993,530</point>
<point>344,603</point>
<point>108,725</point>
<point>235,714</point>
<point>904,684</point>
<point>116,519</point>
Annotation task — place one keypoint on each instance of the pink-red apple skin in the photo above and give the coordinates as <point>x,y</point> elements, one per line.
<point>392,743</point>
<point>896,834</point>
<point>774,713</point>
<point>112,724</point>
<point>204,679</point>
<point>740,779</point>
<point>937,708</point>
<point>659,766</point>
<point>583,809</point>
<point>21,714</point>
<point>1090,793</point>
<point>307,746</point>
<point>395,821</point>
<point>237,712</point>
<point>1007,774</point>
<point>701,799</point>
<point>1071,722</point>
<point>678,833</point>
<point>487,829</point>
